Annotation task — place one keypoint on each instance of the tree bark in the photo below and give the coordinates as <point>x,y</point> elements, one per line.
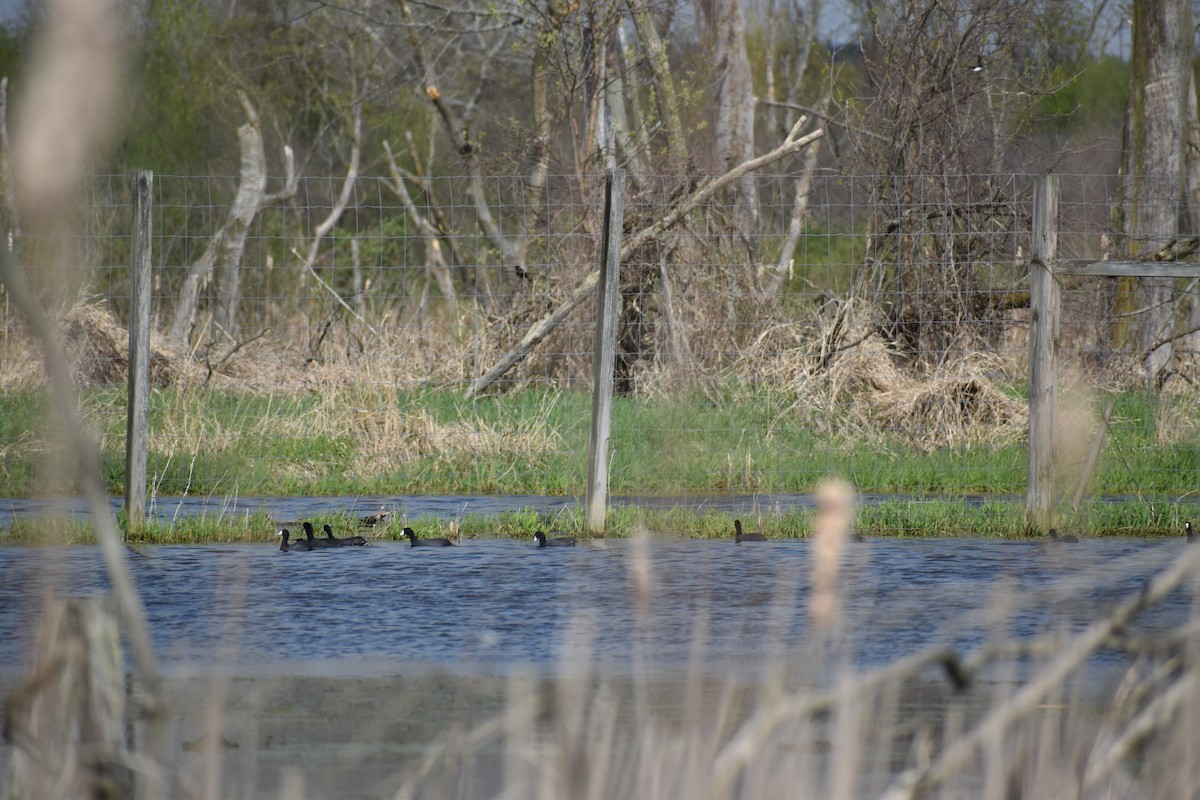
<point>734,135</point>
<point>1159,81</point>
<point>541,134</point>
<point>252,190</point>
<point>664,86</point>
<point>1191,342</point>
<point>228,243</point>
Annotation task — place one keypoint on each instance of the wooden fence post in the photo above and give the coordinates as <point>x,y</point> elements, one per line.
<point>606,337</point>
<point>138,403</point>
<point>1040,499</point>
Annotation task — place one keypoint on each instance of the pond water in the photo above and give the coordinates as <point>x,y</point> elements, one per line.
<point>491,605</point>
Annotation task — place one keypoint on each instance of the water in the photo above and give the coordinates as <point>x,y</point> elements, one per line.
<point>492,605</point>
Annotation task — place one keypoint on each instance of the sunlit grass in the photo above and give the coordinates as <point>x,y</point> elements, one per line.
<point>379,440</point>
<point>899,518</point>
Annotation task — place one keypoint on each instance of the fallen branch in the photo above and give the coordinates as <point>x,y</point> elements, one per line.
<point>542,328</point>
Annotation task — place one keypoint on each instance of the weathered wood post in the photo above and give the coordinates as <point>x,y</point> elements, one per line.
<point>1040,498</point>
<point>602,365</point>
<point>138,403</point>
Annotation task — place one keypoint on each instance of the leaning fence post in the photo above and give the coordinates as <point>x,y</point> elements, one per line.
<point>1043,341</point>
<point>606,327</point>
<point>138,407</point>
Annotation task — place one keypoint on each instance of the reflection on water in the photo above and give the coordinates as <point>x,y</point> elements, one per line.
<point>495,604</point>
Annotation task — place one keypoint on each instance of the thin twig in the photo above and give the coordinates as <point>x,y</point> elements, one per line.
<point>335,294</point>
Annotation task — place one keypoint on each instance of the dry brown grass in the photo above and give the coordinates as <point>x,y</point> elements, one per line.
<point>840,372</point>
<point>1178,422</point>
<point>957,407</point>
<point>832,368</point>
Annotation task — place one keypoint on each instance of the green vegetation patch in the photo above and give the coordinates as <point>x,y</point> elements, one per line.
<point>381,440</point>
<point>897,518</point>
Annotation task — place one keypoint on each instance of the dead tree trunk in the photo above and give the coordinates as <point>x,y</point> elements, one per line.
<point>229,242</point>
<point>1191,342</point>
<point>1155,133</point>
<point>664,85</point>
<point>734,135</point>
<point>541,134</point>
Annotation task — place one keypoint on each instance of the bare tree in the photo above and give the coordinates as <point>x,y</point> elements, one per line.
<point>734,134</point>
<point>1156,129</point>
<point>227,245</point>
<point>939,73</point>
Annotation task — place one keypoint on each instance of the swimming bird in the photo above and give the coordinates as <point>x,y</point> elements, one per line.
<point>740,536</point>
<point>378,518</point>
<point>558,541</point>
<point>857,537</point>
<point>411,535</point>
<point>1069,539</point>
<point>347,541</point>
<point>287,547</point>
<point>1187,528</point>
<point>313,541</point>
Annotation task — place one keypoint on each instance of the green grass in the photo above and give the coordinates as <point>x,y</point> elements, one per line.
<point>377,440</point>
<point>888,519</point>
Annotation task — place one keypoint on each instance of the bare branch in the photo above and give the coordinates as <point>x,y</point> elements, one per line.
<point>540,329</point>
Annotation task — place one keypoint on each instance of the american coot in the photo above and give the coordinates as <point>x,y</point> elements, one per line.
<point>415,542</point>
<point>313,541</point>
<point>288,547</point>
<point>1068,538</point>
<point>1191,535</point>
<point>347,541</point>
<point>557,541</point>
<point>741,536</point>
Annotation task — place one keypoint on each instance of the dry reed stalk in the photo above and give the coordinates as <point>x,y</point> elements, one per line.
<point>835,515</point>
<point>73,84</point>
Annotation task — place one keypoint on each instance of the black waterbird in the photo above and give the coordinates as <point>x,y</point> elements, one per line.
<point>313,541</point>
<point>741,536</point>
<point>288,547</point>
<point>411,535</point>
<point>348,541</point>
<point>558,541</point>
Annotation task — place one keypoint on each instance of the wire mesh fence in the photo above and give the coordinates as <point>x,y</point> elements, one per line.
<point>766,338</point>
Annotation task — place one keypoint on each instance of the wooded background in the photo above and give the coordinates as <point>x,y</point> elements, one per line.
<point>482,128</point>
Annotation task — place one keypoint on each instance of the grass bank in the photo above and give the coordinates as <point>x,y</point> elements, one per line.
<point>380,440</point>
<point>890,519</point>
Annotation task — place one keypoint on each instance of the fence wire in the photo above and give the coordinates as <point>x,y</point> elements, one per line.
<point>767,338</point>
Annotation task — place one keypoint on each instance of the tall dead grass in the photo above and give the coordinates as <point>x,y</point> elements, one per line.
<point>840,373</point>
<point>830,367</point>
